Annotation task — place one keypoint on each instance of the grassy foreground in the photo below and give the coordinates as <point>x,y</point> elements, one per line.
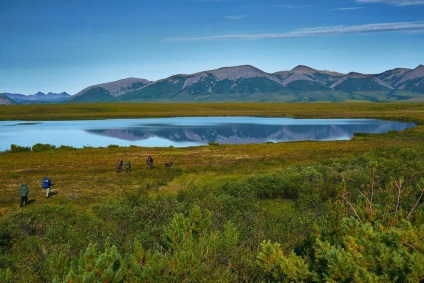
<point>236,197</point>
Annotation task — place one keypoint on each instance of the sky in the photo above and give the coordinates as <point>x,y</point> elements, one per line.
<point>68,45</point>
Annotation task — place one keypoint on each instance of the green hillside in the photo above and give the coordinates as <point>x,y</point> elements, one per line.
<point>161,91</point>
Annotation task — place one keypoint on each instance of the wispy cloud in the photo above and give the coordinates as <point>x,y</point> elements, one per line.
<point>395,2</point>
<point>347,8</point>
<point>235,17</point>
<point>319,31</point>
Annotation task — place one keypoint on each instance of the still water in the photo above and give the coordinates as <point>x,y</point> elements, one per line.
<point>186,131</point>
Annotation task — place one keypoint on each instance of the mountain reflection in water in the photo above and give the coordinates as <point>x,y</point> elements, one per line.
<point>186,131</point>
<point>228,132</point>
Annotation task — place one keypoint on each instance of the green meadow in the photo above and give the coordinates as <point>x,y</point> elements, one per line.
<point>333,211</point>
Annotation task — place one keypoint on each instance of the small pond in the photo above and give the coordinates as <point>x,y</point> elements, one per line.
<point>186,131</point>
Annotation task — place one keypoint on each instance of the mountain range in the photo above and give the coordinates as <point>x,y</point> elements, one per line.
<point>38,97</point>
<point>247,83</point>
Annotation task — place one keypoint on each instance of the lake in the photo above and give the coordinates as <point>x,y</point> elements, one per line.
<point>186,131</point>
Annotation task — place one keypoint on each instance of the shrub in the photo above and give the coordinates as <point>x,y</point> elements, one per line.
<point>39,147</point>
<point>274,186</point>
<point>67,147</point>
<point>17,148</point>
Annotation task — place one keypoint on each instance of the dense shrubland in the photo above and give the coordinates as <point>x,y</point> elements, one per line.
<point>339,220</point>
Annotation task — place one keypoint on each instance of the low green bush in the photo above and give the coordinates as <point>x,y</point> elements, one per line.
<point>39,147</point>
<point>67,147</point>
<point>17,148</point>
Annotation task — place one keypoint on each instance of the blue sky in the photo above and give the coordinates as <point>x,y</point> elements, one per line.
<point>67,45</point>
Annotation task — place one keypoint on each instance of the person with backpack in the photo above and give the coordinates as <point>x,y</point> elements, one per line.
<point>46,184</point>
<point>23,192</point>
<point>128,167</point>
<point>119,165</point>
<point>149,161</point>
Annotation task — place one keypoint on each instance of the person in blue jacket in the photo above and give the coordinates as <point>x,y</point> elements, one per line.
<point>46,184</point>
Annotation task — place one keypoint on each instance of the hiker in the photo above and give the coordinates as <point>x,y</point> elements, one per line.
<point>23,192</point>
<point>46,184</point>
<point>128,167</point>
<point>149,161</point>
<point>119,166</point>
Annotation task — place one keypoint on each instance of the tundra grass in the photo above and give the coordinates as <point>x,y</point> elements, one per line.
<point>83,177</point>
<point>88,194</point>
<point>399,111</point>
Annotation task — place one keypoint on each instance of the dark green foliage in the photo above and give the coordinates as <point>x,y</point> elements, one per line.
<point>194,250</point>
<point>67,147</point>
<point>113,146</point>
<point>39,147</point>
<point>6,276</point>
<point>5,237</point>
<point>369,232</point>
<point>278,185</point>
<point>17,148</point>
<point>92,266</point>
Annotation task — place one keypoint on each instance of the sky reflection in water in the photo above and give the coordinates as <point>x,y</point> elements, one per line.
<point>186,131</point>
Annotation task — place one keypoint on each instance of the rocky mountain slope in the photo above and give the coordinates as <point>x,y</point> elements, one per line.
<point>108,91</point>
<point>247,83</point>
<point>4,100</point>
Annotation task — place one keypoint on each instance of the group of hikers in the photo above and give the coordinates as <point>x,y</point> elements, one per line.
<point>46,182</point>
<point>24,190</point>
<point>120,165</point>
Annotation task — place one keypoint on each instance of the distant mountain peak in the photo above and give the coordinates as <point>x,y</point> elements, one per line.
<point>355,75</point>
<point>230,73</point>
<point>235,72</point>
<point>303,68</point>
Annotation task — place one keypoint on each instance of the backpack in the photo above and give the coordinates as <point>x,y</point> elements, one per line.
<point>45,184</point>
<point>23,190</point>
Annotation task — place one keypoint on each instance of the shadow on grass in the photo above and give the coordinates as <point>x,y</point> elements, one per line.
<point>29,202</point>
<point>52,194</point>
